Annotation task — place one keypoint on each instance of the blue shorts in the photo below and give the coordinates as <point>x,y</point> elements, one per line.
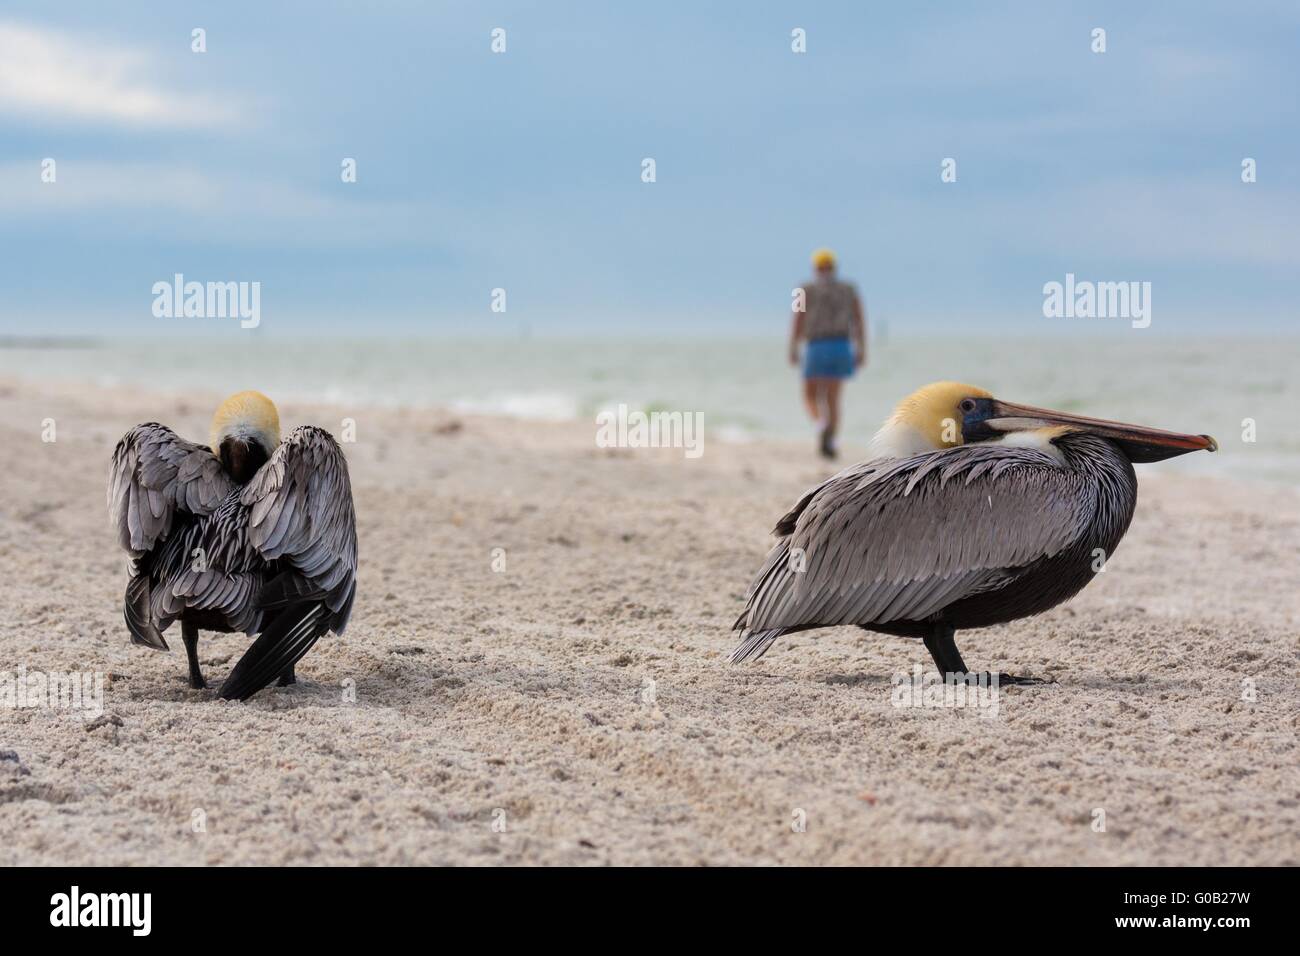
<point>828,358</point>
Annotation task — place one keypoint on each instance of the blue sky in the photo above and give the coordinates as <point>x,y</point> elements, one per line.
<point>522,170</point>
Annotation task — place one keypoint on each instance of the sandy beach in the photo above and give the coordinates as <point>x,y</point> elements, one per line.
<point>567,700</point>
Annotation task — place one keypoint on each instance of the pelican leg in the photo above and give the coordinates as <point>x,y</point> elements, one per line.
<point>943,649</point>
<point>287,677</point>
<point>1011,679</point>
<point>948,659</point>
<point>190,634</point>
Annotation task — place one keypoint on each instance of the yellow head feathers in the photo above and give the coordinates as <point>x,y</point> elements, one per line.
<point>928,419</point>
<point>246,415</point>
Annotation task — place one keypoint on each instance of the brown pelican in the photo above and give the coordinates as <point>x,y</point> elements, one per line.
<point>969,511</point>
<point>248,534</point>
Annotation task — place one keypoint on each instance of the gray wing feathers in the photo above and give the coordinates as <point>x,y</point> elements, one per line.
<point>231,594</point>
<point>296,511</point>
<point>755,645</point>
<point>301,509</point>
<point>154,474</point>
<point>210,567</point>
<point>901,539</point>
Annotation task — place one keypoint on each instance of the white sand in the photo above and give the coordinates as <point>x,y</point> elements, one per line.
<point>525,691</point>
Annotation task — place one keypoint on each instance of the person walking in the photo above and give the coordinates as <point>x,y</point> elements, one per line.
<point>832,325</point>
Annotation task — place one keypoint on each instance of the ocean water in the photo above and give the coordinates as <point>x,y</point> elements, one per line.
<point>744,387</point>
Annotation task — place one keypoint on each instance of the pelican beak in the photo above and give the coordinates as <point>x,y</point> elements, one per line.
<point>1138,442</point>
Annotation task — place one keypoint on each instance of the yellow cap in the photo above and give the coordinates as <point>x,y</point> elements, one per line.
<point>823,258</point>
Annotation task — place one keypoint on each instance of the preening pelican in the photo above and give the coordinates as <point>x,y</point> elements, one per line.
<point>248,534</point>
<point>970,511</point>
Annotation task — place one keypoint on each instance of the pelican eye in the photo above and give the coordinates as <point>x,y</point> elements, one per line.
<point>967,405</point>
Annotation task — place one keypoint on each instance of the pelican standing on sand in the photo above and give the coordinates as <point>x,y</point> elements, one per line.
<point>248,534</point>
<point>969,511</point>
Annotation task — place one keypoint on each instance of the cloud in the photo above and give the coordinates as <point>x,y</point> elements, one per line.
<point>167,200</point>
<point>87,186</point>
<point>47,73</point>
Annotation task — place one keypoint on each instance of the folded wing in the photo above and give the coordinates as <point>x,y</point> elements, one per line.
<point>299,519</point>
<point>156,475</point>
<point>300,513</point>
<point>900,539</point>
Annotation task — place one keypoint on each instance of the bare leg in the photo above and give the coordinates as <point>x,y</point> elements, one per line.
<point>190,634</point>
<point>811,400</point>
<point>287,677</point>
<point>823,395</point>
<point>833,406</point>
